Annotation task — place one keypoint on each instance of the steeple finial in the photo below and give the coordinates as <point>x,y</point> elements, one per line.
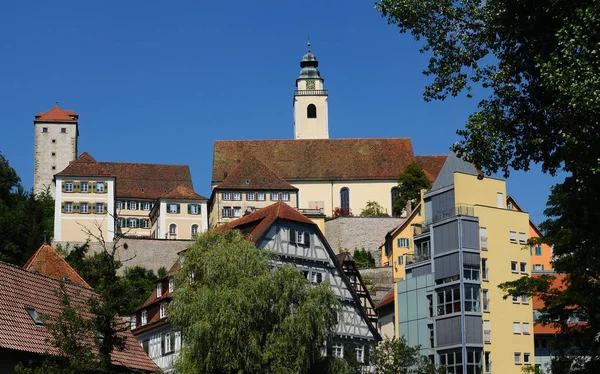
<point>308,44</point>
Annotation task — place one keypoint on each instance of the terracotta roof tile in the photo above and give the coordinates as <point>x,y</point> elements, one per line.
<point>387,299</point>
<point>251,173</point>
<point>183,192</point>
<point>20,288</point>
<point>318,159</point>
<point>46,261</point>
<point>85,166</point>
<point>256,224</point>
<point>56,114</point>
<point>432,165</point>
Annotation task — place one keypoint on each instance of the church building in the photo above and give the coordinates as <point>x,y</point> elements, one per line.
<point>331,176</point>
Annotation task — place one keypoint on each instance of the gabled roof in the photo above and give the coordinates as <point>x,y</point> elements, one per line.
<point>256,224</point>
<point>253,174</point>
<point>387,299</point>
<point>85,166</point>
<point>183,192</point>
<point>451,165</point>
<point>509,198</point>
<point>56,114</point>
<point>431,165</point>
<point>320,159</point>
<point>404,223</point>
<point>46,261</point>
<point>18,331</point>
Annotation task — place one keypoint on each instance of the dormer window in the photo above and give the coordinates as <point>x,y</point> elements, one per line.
<point>171,284</point>
<point>144,317</point>
<point>158,290</point>
<point>133,322</point>
<point>163,310</point>
<point>34,316</point>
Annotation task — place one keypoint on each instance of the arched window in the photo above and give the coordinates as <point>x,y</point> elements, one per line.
<point>394,195</point>
<point>345,199</point>
<point>194,230</point>
<point>311,111</point>
<point>173,229</point>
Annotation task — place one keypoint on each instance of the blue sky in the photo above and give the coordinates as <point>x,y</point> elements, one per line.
<point>159,81</point>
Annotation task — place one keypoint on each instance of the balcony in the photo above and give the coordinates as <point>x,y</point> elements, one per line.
<point>417,258</point>
<point>311,211</point>
<point>310,93</point>
<point>453,211</point>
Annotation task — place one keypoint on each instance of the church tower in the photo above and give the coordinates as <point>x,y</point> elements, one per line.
<point>310,101</point>
<point>56,133</point>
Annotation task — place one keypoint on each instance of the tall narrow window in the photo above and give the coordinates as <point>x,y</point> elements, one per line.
<point>194,230</point>
<point>173,229</point>
<point>500,199</point>
<point>394,196</point>
<point>345,199</point>
<point>311,111</point>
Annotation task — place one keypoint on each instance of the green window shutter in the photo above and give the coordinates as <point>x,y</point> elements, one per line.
<point>162,344</point>
<point>63,186</point>
<point>400,260</point>
<point>189,208</point>
<point>62,206</point>
<point>139,205</point>
<point>542,266</point>
<point>105,208</point>
<point>105,187</point>
<point>178,208</point>
<point>407,243</point>
<point>93,207</point>
<point>92,187</point>
<point>75,207</point>
<point>398,243</point>
<point>76,186</point>
<point>293,236</point>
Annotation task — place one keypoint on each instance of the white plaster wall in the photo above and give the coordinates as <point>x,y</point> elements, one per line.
<point>65,149</point>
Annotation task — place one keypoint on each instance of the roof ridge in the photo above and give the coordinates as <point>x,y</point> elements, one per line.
<point>37,273</point>
<point>60,258</point>
<point>141,163</point>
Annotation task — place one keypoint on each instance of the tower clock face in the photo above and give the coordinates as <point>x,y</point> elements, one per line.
<point>310,85</point>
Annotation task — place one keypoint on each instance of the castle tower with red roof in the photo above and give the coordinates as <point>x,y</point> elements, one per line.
<point>56,133</point>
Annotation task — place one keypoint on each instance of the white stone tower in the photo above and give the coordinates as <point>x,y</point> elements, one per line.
<point>310,101</point>
<point>56,133</point>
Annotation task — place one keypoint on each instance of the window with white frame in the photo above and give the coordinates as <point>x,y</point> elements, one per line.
<point>158,290</point>
<point>403,242</point>
<point>515,299</point>
<point>524,299</point>
<point>193,208</point>
<point>167,342</point>
<point>338,350</point>
<point>132,222</point>
<point>99,208</point>
<point>360,353</point>
<point>44,129</point>
<point>526,358</point>
<point>516,327</point>
<point>120,204</point>
<point>237,211</point>
<point>226,211</point>
<point>163,310</point>
<point>173,229</point>
<point>145,223</point>
<point>171,284</point>
<point>68,186</point>
<point>99,186</point>
<point>484,269</point>
<point>513,266</point>
<point>147,205</point>
<point>285,196</point>
<point>488,362</point>
<point>226,195</point>
<point>314,277</point>
<point>250,196</point>
<point>487,332</point>
<point>84,186</point>
<point>537,267</point>
<point>133,205</point>
<point>522,238</point>
<point>260,196</point>
<point>513,236</point>
<point>483,237</point>
<point>133,322</point>
<point>523,267</point>
<point>526,328</point>
<point>237,196</point>
<point>274,196</point>
<point>144,317</point>
<point>194,229</point>
<point>83,208</point>
<point>500,199</point>
<point>486,300</point>
<point>517,358</point>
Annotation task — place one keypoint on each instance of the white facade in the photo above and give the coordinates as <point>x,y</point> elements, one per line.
<point>313,122</point>
<point>162,348</point>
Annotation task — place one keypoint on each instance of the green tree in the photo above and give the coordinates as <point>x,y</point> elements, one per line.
<point>25,219</point>
<point>237,313</point>
<point>363,258</point>
<point>538,64</point>
<point>410,183</point>
<point>373,209</point>
<point>394,356</point>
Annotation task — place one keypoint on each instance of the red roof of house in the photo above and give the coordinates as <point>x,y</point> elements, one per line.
<point>183,192</point>
<point>256,224</point>
<point>323,159</point>
<point>84,166</point>
<point>251,174</point>
<point>56,114</point>
<point>46,261</point>
<point>432,165</point>
<point>387,300</point>
<point>20,289</point>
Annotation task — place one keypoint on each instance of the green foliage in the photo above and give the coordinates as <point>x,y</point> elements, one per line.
<point>373,209</point>
<point>363,258</point>
<point>394,356</point>
<point>241,315</point>
<point>410,183</point>
<point>25,219</point>
<point>538,62</point>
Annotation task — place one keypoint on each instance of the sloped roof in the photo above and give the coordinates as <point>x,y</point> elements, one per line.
<point>387,299</point>
<point>431,165</point>
<point>56,114</point>
<point>85,166</point>
<point>255,225</point>
<point>451,165</point>
<point>183,192</point>
<point>251,174</point>
<point>46,261</point>
<point>320,159</point>
<point>20,289</point>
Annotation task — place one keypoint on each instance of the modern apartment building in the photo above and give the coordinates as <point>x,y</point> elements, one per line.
<point>449,301</point>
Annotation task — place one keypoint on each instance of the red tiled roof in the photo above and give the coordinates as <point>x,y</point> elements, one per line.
<point>255,225</point>
<point>251,174</point>
<point>432,165</point>
<point>20,288</point>
<point>46,261</point>
<point>85,166</point>
<point>183,192</point>
<point>148,181</point>
<point>387,299</point>
<point>324,159</point>
<point>56,114</point>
